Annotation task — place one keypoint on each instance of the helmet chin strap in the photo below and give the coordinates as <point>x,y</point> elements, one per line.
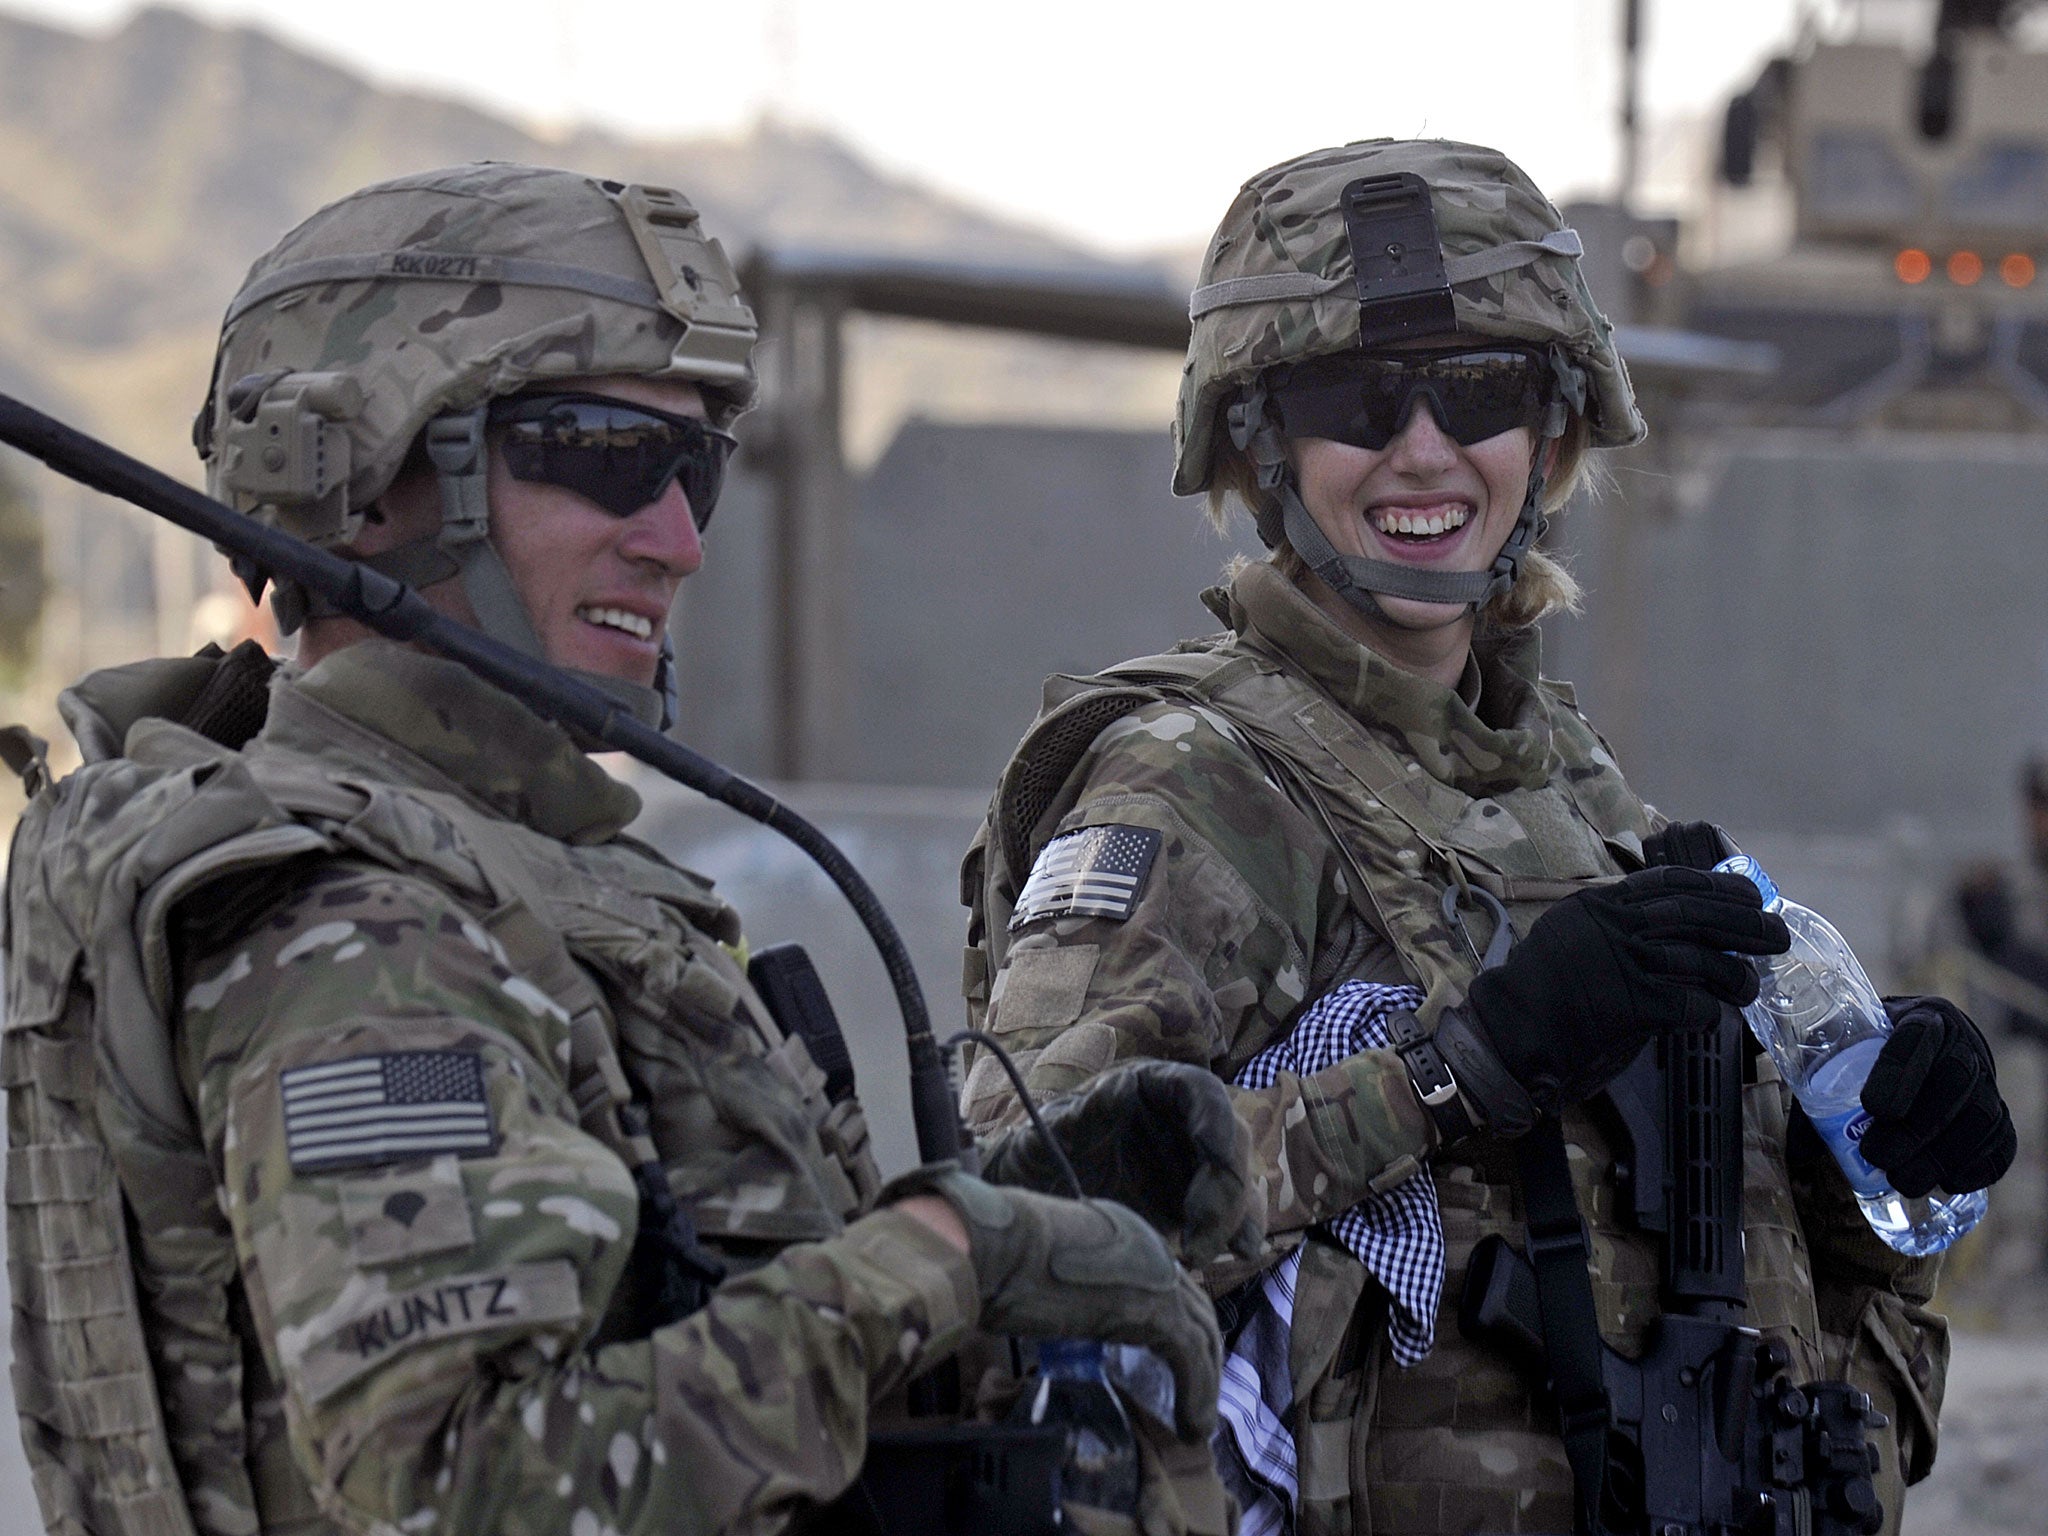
<point>1358,579</point>
<point>455,446</point>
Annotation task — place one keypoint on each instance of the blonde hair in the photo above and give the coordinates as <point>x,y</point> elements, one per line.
<point>1542,585</point>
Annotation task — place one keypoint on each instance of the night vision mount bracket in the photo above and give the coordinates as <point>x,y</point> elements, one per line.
<point>1403,290</point>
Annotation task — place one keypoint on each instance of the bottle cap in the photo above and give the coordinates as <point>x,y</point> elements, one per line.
<point>1742,864</point>
<point>1070,1356</point>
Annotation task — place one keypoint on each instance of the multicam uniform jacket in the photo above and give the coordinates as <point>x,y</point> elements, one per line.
<point>351,1023</point>
<point>1299,808</point>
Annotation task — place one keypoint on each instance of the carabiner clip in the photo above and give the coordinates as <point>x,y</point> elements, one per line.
<point>1503,938</point>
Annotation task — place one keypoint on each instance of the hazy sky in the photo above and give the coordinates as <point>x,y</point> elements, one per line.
<point>1125,123</point>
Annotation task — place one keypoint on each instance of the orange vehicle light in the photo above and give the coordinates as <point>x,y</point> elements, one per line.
<point>2017,270</point>
<point>1913,266</point>
<point>1964,268</point>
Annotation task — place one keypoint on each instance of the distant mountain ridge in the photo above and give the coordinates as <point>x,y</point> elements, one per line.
<point>142,170</point>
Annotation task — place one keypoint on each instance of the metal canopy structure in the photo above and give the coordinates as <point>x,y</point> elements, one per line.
<point>1119,305</point>
<point>803,298</point>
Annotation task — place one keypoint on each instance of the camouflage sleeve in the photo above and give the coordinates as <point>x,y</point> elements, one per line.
<point>426,1275</point>
<point>1210,963</point>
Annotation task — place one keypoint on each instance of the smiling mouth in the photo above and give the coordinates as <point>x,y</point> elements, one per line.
<point>1418,525</point>
<point>617,618</point>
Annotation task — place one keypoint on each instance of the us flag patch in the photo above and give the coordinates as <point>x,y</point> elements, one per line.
<point>385,1109</point>
<point>1095,872</point>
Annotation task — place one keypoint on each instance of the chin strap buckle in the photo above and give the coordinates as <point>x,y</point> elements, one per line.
<point>1241,417</point>
<point>455,447</point>
<point>1254,435</point>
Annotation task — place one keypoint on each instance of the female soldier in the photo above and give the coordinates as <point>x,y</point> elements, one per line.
<point>1397,366</point>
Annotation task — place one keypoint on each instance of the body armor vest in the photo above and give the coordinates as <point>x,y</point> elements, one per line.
<point>1457,1442</point>
<point>131,1343</point>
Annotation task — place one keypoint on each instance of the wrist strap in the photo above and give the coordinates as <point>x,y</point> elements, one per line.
<point>1431,1075</point>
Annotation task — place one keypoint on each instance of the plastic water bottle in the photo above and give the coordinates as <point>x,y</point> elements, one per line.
<point>1101,1465</point>
<point>1819,1017</point>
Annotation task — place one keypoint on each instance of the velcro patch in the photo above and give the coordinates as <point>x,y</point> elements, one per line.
<point>519,1297</point>
<point>386,1108</point>
<point>406,1214</point>
<point>1092,872</point>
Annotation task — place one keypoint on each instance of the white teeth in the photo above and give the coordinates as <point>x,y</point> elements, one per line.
<point>1393,520</point>
<point>618,618</point>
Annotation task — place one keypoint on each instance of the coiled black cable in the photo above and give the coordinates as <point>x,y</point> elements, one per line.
<point>983,1038</point>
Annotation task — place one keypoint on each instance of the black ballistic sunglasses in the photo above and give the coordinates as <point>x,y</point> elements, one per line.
<point>619,455</point>
<point>1366,400</point>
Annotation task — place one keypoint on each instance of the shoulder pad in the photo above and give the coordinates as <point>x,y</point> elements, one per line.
<point>1032,784</point>
<point>1077,708</point>
<point>101,707</point>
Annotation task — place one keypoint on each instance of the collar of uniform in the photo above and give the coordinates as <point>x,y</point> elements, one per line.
<point>1434,723</point>
<point>1472,683</point>
<point>429,721</point>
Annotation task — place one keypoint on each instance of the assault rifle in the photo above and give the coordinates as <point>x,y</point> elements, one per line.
<point>1706,1434</point>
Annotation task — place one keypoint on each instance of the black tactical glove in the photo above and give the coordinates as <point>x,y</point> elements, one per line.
<point>1074,1269</point>
<point>1689,844</point>
<point>1601,974</point>
<point>1158,1136</point>
<point>1936,1120</point>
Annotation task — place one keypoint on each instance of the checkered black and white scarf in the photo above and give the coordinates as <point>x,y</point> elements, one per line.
<point>1398,1236</point>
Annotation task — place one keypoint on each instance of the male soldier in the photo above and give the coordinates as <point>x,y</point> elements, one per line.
<point>2003,910</point>
<point>2005,914</point>
<point>357,1062</point>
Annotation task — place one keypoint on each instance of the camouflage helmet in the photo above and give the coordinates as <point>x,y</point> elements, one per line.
<point>1361,247</point>
<point>1278,284</point>
<point>393,317</point>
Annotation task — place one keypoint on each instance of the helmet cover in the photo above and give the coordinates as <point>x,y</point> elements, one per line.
<point>434,293</point>
<point>1286,232</point>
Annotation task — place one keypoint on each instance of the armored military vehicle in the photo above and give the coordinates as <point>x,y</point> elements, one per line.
<point>1914,289</point>
<point>1820,619</point>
